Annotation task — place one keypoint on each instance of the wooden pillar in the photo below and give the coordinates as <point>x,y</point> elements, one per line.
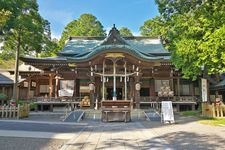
<point>137,92</point>
<point>50,85</point>
<point>28,88</point>
<point>131,80</point>
<point>192,91</point>
<point>75,87</point>
<point>114,80</point>
<point>78,88</point>
<point>56,87</point>
<point>92,89</point>
<point>37,89</point>
<point>178,87</point>
<point>125,80</point>
<point>103,80</point>
<point>92,97</point>
<point>152,87</point>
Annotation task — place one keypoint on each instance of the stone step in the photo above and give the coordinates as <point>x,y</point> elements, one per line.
<point>96,114</point>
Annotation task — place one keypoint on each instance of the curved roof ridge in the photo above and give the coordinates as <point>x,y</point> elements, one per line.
<point>122,48</point>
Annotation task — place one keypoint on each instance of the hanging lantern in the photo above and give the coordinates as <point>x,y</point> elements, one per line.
<point>138,86</point>
<point>91,86</point>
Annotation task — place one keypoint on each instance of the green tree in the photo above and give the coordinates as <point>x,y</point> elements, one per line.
<point>23,32</point>
<point>24,29</point>
<point>5,15</point>
<point>125,31</point>
<point>86,25</point>
<point>194,33</point>
<point>50,49</point>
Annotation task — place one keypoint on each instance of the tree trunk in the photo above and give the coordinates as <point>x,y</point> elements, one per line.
<point>16,72</point>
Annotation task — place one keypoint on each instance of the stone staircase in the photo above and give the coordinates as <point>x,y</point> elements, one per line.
<point>91,114</point>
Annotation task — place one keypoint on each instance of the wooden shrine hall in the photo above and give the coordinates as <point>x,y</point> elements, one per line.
<point>112,68</point>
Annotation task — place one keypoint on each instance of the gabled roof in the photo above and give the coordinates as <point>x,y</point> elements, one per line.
<point>6,78</point>
<point>114,38</point>
<point>219,86</point>
<point>80,49</point>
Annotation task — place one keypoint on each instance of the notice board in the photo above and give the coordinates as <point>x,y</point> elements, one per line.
<point>167,112</point>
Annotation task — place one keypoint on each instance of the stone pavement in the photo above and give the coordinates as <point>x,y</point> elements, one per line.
<point>144,135</point>
<point>92,134</point>
<point>118,136</point>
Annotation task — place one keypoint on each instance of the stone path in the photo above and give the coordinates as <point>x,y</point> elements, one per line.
<point>118,136</point>
<point>144,135</point>
<point>95,135</point>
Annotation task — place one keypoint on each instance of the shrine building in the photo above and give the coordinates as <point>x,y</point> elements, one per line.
<point>115,68</point>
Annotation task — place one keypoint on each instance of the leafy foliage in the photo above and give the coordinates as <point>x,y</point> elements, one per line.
<point>24,29</point>
<point>3,96</point>
<point>86,25</point>
<point>50,49</point>
<point>5,15</point>
<point>194,33</point>
<point>125,31</point>
<point>7,64</point>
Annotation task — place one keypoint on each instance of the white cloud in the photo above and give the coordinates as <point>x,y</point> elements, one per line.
<point>136,33</point>
<point>55,35</point>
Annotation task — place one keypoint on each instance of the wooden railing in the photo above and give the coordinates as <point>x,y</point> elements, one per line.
<point>213,110</point>
<point>174,98</point>
<point>14,112</point>
<point>58,99</point>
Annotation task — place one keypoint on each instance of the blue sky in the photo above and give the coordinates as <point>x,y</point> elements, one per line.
<point>122,13</point>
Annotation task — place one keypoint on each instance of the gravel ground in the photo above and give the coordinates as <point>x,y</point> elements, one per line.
<point>13,143</point>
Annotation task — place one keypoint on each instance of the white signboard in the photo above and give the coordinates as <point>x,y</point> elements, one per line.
<point>66,92</point>
<point>204,90</point>
<point>66,88</point>
<point>167,112</point>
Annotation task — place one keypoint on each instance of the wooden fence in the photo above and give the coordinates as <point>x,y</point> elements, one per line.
<point>213,110</point>
<point>14,112</point>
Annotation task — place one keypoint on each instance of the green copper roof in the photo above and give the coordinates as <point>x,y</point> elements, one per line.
<point>79,49</point>
<point>78,46</point>
<point>144,48</point>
